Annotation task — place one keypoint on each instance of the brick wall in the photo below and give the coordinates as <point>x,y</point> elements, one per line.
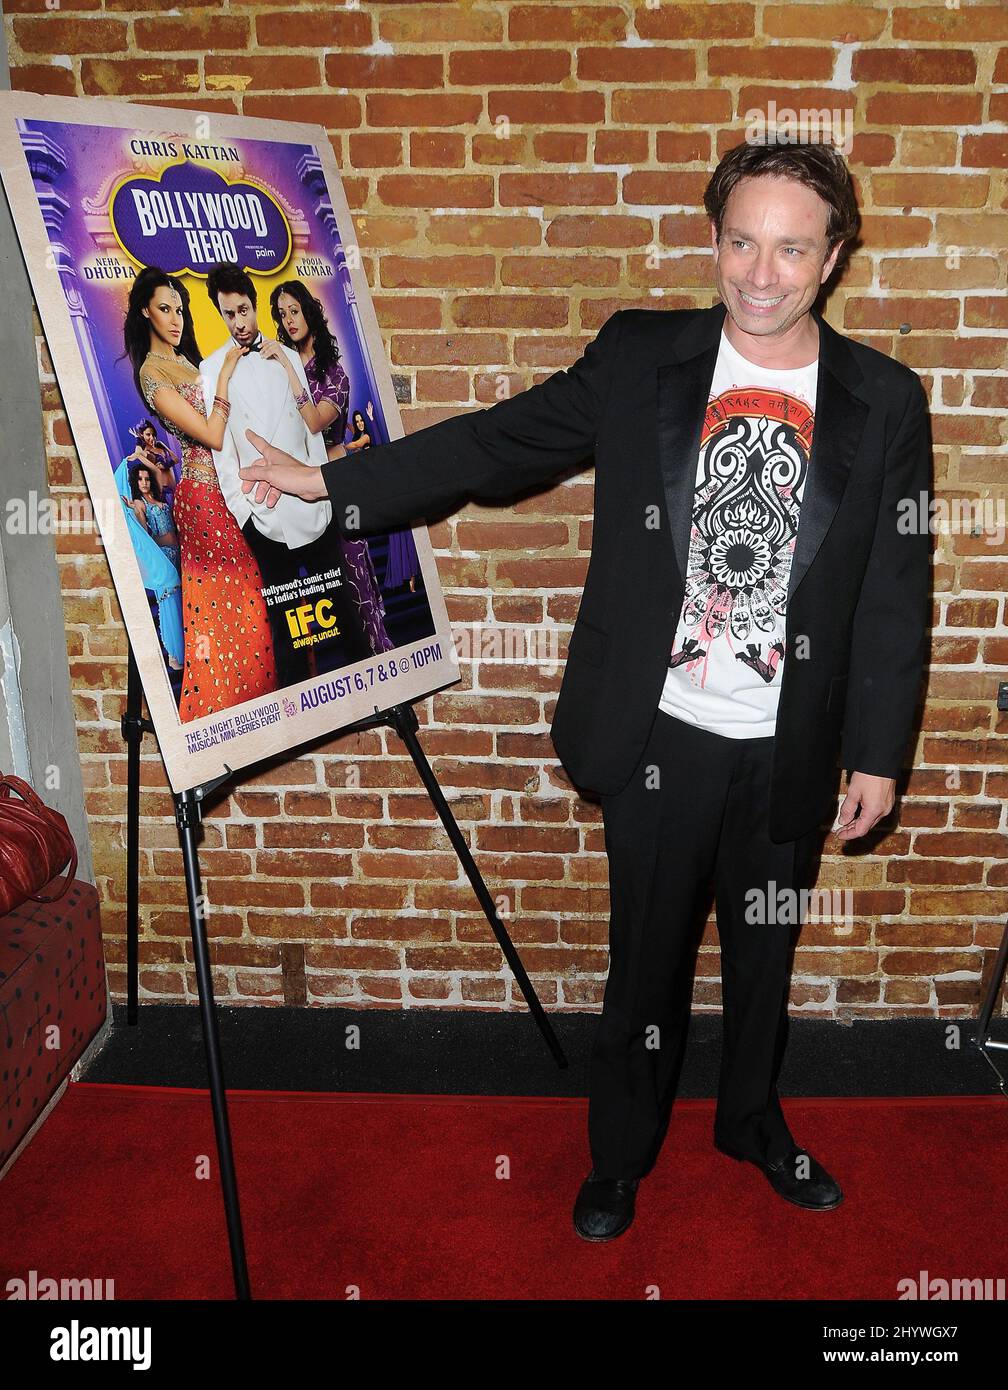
<point>568,142</point>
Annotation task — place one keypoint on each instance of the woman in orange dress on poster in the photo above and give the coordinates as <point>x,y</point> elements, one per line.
<point>228,645</point>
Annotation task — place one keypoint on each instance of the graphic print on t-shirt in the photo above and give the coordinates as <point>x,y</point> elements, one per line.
<point>754,457</point>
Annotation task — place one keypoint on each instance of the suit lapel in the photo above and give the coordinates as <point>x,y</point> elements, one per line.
<point>683,389</point>
<point>840,418</point>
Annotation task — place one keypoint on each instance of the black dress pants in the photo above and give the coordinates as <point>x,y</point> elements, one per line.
<point>694,814</point>
<point>279,565</point>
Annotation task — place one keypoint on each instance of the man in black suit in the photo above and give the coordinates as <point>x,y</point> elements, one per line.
<point>755,606</point>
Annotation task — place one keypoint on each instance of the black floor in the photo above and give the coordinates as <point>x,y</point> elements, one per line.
<point>428,1051</point>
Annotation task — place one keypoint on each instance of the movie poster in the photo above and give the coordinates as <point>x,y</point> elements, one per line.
<point>198,279</point>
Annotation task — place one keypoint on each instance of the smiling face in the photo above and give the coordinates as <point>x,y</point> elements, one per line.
<point>164,312</point>
<point>771,258</point>
<point>147,437</point>
<point>291,317</point>
<point>238,312</point>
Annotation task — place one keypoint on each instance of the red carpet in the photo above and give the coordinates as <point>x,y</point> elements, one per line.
<point>401,1197</point>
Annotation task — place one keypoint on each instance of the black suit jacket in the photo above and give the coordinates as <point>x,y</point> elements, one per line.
<point>858,595</point>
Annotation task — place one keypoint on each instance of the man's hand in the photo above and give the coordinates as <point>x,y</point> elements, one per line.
<point>868,800</point>
<point>278,473</point>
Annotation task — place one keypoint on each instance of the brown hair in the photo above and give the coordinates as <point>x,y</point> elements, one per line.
<point>818,166</point>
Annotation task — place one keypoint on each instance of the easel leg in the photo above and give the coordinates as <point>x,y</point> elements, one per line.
<point>403,719</point>
<point>981,1038</point>
<point>187,814</point>
<point>133,733</point>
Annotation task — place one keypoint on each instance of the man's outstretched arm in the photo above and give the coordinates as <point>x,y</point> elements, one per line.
<point>496,452</point>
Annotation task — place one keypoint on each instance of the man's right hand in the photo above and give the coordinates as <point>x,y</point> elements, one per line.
<point>278,473</point>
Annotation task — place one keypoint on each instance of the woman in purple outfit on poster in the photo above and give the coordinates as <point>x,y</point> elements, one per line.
<point>301,324</point>
<point>403,562</point>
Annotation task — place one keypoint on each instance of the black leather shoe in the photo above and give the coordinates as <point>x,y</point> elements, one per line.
<point>798,1178</point>
<point>604,1207</point>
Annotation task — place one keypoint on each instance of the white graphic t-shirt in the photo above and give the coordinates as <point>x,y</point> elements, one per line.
<point>726,662</point>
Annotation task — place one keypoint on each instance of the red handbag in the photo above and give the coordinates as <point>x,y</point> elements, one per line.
<point>35,845</point>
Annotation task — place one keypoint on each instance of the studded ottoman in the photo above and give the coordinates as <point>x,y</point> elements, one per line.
<point>52,1002</point>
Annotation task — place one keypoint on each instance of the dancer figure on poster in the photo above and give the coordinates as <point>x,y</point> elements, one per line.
<point>403,563</point>
<point>155,454</point>
<point>296,540</point>
<point>361,436</point>
<point>301,324</point>
<point>152,511</point>
<point>159,571</point>
<point>228,648</point>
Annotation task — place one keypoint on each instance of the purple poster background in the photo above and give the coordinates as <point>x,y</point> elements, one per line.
<point>115,199</point>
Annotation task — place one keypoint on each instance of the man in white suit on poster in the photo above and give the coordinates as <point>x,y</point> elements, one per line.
<point>294,536</point>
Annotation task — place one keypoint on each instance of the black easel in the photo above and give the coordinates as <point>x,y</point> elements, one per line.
<point>188,815</point>
<point>982,1038</point>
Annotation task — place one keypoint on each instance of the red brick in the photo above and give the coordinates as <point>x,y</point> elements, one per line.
<point>695,21</point>
<point>426,24</point>
<point>645,187</point>
<point>244,72</point>
<point>682,147</point>
<point>560,270</point>
<point>44,78</point>
<point>370,151</point>
<point>436,190</point>
<point>545,22</point>
<point>838,23</point>
<point>58,33</point>
<point>327,28</point>
<point>561,146</point>
<point>190,33</point>
<point>138,76</point>
<point>915,66</point>
<point>391,72</point>
<point>941,109</point>
<point>508,230</point>
<point>788,62</point>
<point>547,108</point>
<point>509,312</point>
<point>644,106</point>
<point>437,149</point>
<point>409,272</point>
<point>968,23</point>
<point>470,67</point>
<point>645,64</point>
<point>985,152</point>
<point>421,111</point>
<point>556,190</point>
<point>330,109</point>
